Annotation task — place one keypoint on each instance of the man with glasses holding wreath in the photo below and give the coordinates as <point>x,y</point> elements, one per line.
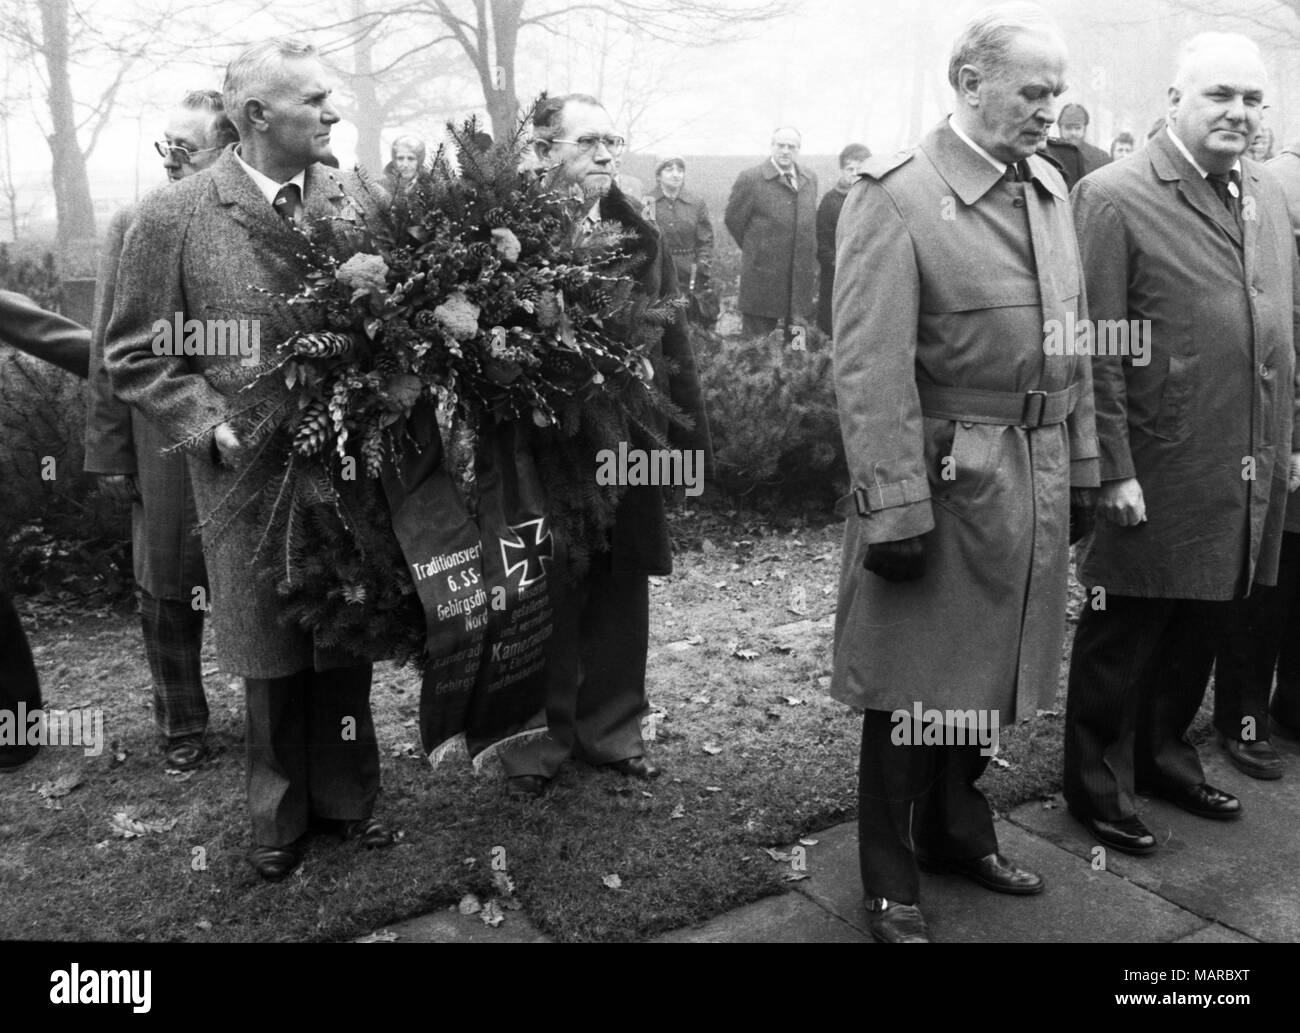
<point>596,655</point>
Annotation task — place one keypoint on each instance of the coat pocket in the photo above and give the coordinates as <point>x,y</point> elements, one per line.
<point>1176,398</point>
<point>960,456</point>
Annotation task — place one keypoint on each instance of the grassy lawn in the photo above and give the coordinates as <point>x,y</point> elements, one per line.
<point>755,755</point>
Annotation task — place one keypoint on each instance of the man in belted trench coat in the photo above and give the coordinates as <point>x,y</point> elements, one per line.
<point>1196,437</point>
<point>963,435</point>
<point>202,248</point>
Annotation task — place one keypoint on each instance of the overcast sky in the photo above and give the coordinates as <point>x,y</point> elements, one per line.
<point>840,70</point>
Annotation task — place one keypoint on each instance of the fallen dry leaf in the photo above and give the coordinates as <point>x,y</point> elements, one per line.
<point>809,842</point>
<point>712,748</point>
<point>379,936</point>
<point>612,882</point>
<point>678,812</point>
<point>798,604</point>
<point>61,786</point>
<point>503,883</point>
<point>794,876</point>
<point>701,699</point>
<point>775,854</point>
<point>469,905</point>
<point>745,654</point>
<point>128,826</point>
<point>793,701</point>
<point>492,915</point>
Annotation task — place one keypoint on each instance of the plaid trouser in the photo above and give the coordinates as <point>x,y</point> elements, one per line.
<point>173,636</point>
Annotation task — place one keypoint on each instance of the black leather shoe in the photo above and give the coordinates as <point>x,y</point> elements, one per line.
<point>1256,759</point>
<point>994,872</point>
<point>371,833</point>
<point>273,863</point>
<point>14,758</point>
<point>896,923</point>
<point>637,767</point>
<point>1202,800</point>
<point>186,753</point>
<point>527,786</point>
<point>1127,835</point>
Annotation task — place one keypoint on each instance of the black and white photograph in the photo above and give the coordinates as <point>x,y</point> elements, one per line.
<point>650,471</point>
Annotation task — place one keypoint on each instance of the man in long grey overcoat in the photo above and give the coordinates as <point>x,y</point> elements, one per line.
<point>1194,244</point>
<point>964,426</point>
<point>203,248</point>
<point>129,455</point>
<point>772,215</point>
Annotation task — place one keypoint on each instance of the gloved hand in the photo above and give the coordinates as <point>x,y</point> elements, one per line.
<point>903,560</point>
<point>1083,512</point>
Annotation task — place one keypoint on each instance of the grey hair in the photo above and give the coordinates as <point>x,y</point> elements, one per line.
<point>781,129</point>
<point>548,118</point>
<point>255,70</point>
<point>221,131</point>
<point>1203,41</point>
<point>412,143</point>
<point>986,40</point>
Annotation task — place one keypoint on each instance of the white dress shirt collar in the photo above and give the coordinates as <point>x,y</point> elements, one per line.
<point>792,172</point>
<point>1188,154</point>
<point>267,185</point>
<point>1001,166</point>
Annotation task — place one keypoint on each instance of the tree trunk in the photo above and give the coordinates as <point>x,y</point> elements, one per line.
<point>499,84</point>
<point>368,114</point>
<point>76,212</point>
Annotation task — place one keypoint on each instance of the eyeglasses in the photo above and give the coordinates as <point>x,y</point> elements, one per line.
<point>182,154</point>
<point>613,144</point>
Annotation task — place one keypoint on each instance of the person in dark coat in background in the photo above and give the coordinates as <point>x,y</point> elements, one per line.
<point>1266,637</point>
<point>129,455</point>
<point>596,655</point>
<point>1189,250</point>
<point>686,230</point>
<point>828,217</point>
<point>26,326</point>
<point>772,215</point>
<point>1073,126</point>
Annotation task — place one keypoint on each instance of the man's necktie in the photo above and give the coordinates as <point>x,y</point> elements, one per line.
<point>1017,172</point>
<point>288,202</point>
<point>789,181</point>
<point>1225,185</point>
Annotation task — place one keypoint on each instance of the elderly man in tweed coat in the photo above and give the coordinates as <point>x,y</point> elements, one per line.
<point>128,453</point>
<point>208,248</point>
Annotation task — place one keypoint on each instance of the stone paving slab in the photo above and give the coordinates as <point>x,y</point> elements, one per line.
<point>450,926</point>
<point>786,918</point>
<point>1079,904</point>
<point>1244,874</point>
<point>1216,933</point>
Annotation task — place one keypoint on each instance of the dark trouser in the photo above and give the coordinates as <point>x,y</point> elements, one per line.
<point>18,681</point>
<point>1265,636</point>
<point>1138,672</point>
<point>916,799</point>
<point>595,674</point>
<point>310,751</point>
<point>757,326</point>
<point>173,641</point>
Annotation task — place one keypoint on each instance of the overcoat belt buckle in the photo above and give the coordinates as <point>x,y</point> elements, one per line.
<point>1035,409</point>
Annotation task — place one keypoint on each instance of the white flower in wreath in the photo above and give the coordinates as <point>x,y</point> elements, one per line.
<point>457,317</point>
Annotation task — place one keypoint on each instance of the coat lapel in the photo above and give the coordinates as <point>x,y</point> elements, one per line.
<point>1170,165</point>
<point>968,174</point>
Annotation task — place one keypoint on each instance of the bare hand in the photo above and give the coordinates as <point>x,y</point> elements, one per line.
<point>1121,502</point>
<point>120,487</point>
<point>228,445</point>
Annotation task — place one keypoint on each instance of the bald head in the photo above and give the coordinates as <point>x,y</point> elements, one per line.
<point>786,142</point>
<point>1216,103</point>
